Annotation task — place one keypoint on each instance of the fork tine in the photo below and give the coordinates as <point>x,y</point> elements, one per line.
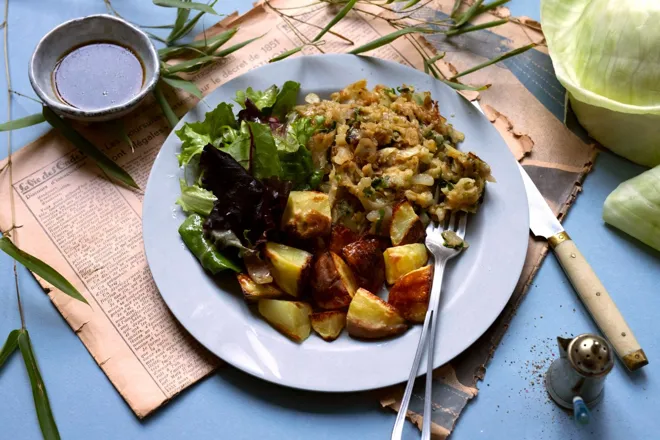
<point>452,222</point>
<point>462,224</point>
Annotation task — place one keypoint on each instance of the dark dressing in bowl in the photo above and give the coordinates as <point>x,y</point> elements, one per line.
<point>98,75</point>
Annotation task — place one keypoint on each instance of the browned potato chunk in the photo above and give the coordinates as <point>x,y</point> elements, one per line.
<point>406,226</point>
<point>340,237</point>
<point>290,267</point>
<point>329,324</point>
<point>253,291</point>
<point>410,294</point>
<point>307,214</point>
<point>400,260</point>
<point>365,259</point>
<point>289,317</point>
<point>333,283</point>
<point>370,317</point>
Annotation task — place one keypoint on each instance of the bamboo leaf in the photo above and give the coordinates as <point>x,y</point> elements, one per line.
<point>286,54</point>
<point>182,84</point>
<point>190,64</point>
<point>387,39</point>
<point>495,60</point>
<point>155,37</point>
<point>459,86</point>
<point>493,5</point>
<point>27,121</point>
<point>174,36</point>
<point>162,26</point>
<point>471,12</point>
<point>236,47</point>
<point>457,6</point>
<point>200,46</point>
<point>40,268</point>
<point>439,56</point>
<point>165,106</point>
<point>185,5</point>
<point>478,27</point>
<point>182,15</point>
<point>104,162</point>
<point>341,14</point>
<point>410,4</point>
<point>121,128</point>
<point>41,402</point>
<point>10,346</point>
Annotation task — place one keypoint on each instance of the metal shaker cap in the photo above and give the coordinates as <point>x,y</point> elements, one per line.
<point>591,355</point>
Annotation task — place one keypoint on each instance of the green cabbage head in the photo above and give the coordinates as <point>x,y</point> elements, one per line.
<point>607,55</point>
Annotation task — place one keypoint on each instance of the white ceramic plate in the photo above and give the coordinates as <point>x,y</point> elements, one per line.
<point>476,288</point>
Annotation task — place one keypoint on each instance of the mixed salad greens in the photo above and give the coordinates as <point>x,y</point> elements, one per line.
<point>239,170</point>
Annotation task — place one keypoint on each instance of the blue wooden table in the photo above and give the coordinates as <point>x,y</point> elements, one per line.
<point>512,403</point>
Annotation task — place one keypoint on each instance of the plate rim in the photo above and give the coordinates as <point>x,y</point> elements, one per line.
<point>485,324</point>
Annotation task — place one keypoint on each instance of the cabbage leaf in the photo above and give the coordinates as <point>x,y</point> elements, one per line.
<point>634,207</point>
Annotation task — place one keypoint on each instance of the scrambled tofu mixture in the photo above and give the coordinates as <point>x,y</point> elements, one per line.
<point>383,146</point>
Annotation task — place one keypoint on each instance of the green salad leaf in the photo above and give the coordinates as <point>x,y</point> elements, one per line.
<point>194,137</point>
<point>215,129</point>
<point>285,100</point>
<point>237,145</point>
<point>194,199</point>
<point>634,207</point>
<point>262,99</point>
<point>265,160</point>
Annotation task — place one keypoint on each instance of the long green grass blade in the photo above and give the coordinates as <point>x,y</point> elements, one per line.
<point>466,29</point>
<point>104,162</point>
<point>235,47</point>
<point>387,39</point>
<point>459,86</point>
<point>502,57</point>
<point>162,26</point>
<point>27,121</point>
<point>184,85</point>
<point>471,12</point>
<point>190,64</point>
<point>40,268</point>
<point>493,5</point>
<point>286,54</point>
<point>41,402</point>
<point>182,15</point>
<point>10,346</point>
<point>165,106</point>
<point>341,14</point>
<point>185,30</point>
<point>200,46</point>
<point>155,37</point>
<point>185,5</point>
<point>410,4</point>
<point>457,6</point>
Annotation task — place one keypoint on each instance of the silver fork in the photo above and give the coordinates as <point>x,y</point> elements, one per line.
<point>441,253</point>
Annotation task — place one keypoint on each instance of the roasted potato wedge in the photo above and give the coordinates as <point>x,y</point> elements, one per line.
<point>340,237</point>
<point>370,317</point>
<point>329,325</point>
<point>333,283</point>
<point>400,260</point>
<point>307,214</point>
<point>365,258</point>
<point>406,226</point>
<point>292,318</point>
<point>290,267</point>
<point>410,294</point>
<point>253,291</point>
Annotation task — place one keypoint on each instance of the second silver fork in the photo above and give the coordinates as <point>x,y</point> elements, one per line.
<point>435,243</point>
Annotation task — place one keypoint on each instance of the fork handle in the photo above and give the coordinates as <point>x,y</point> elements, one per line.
<point>397,431</point>
<point>434,305</point>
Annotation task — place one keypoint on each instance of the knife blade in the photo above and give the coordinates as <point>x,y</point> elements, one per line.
<point>543,223</point>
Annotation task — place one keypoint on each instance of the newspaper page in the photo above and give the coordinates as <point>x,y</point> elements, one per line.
<point>89,228</point>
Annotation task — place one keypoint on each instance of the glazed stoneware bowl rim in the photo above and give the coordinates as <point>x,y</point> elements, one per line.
<point>148,57</point>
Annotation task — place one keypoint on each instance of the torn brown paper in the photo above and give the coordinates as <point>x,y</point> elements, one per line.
<point>89,229</point>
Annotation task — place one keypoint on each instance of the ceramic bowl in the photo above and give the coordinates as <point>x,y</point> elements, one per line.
<point>77,32</point>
